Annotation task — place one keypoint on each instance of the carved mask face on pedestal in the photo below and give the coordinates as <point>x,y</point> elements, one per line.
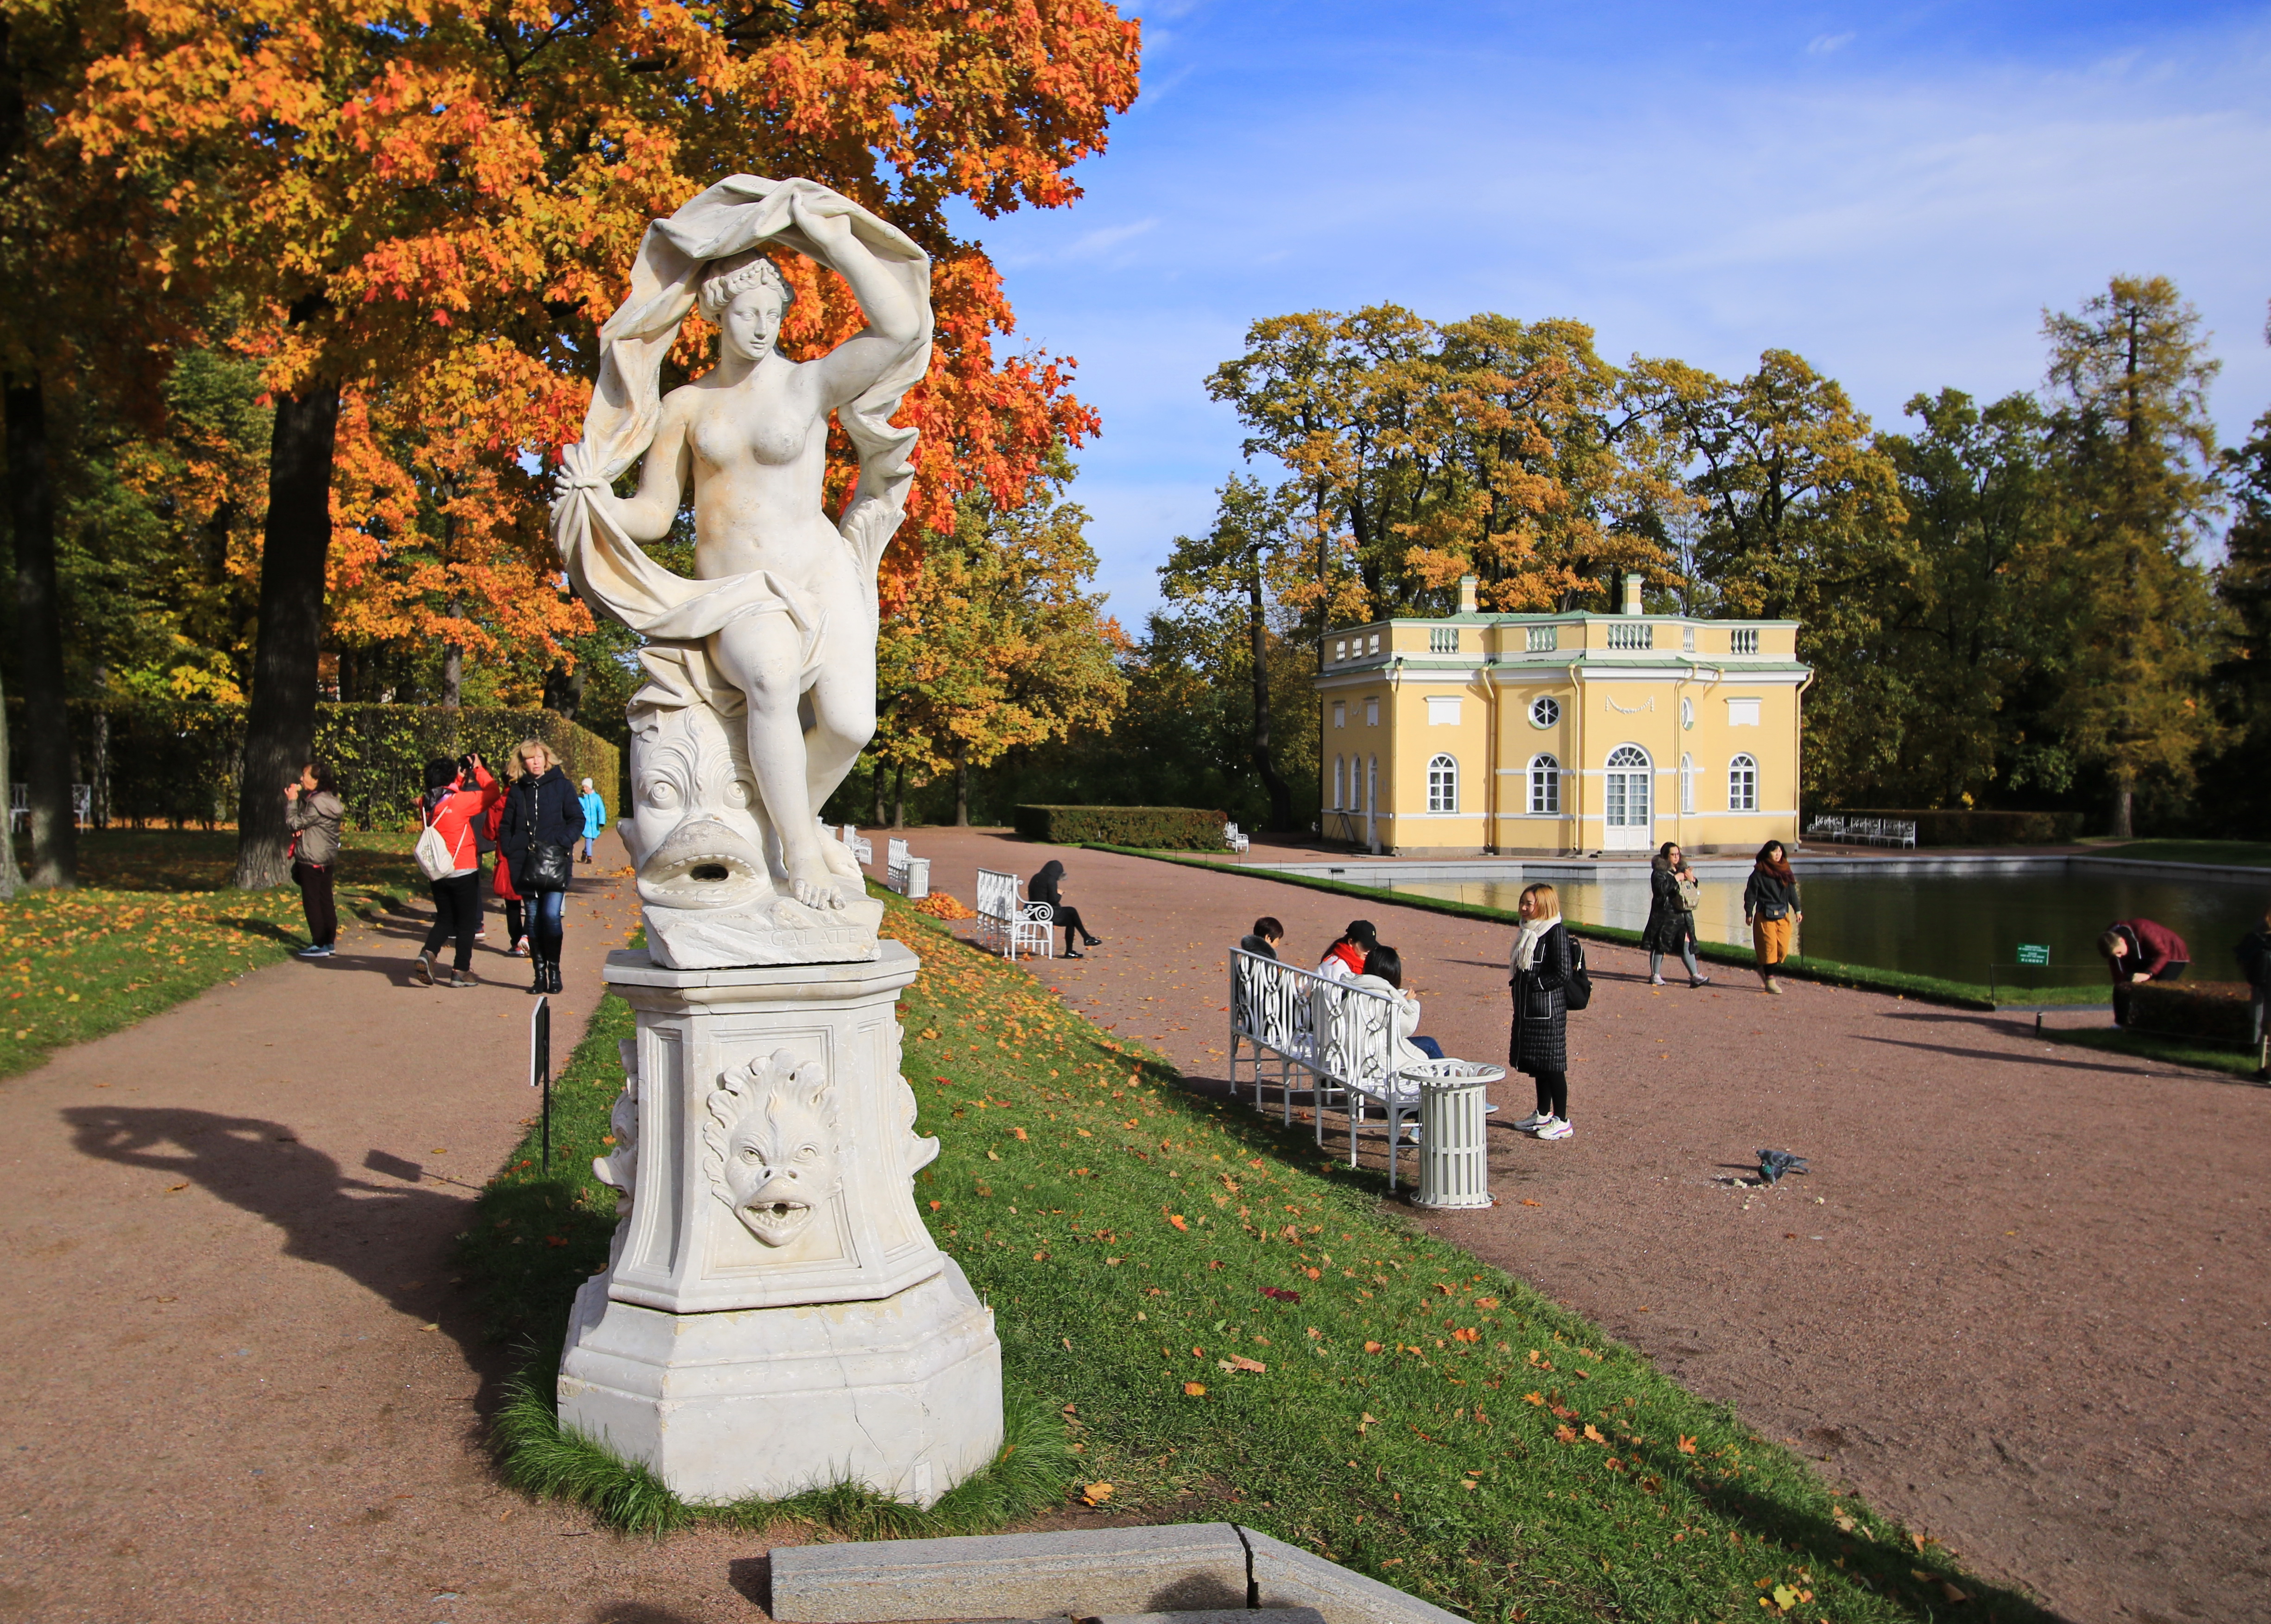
<point>770,1146</point>
<point>696,825</point>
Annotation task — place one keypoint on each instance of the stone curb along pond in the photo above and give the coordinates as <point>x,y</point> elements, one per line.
<point>1957,918</point>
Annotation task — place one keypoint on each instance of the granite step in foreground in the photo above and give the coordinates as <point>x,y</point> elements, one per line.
<point>1181,1571</point>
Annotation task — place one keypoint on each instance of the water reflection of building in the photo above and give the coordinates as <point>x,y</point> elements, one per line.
<point>1535,733</point>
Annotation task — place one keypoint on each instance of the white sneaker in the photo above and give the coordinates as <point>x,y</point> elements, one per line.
<point>1554,1129</point>
<point>1655,980</point>
<point>1535,1120</point>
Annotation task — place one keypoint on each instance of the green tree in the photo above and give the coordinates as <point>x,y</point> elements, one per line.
<point>999,646</point>
<point>1975,639</point>
<point>1228,580</point>
<point>1800,518</point>
<point>2136,460</point>
<point>2242,679</point>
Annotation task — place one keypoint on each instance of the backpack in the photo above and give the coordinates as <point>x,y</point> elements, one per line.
<point>437,858</point>
<point>1577,988</point>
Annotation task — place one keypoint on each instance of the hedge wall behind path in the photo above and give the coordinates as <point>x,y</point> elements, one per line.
<point>1159,828</point>
<point>2219,1011</point>
<point>1958,827</point>
<point>179,763</point>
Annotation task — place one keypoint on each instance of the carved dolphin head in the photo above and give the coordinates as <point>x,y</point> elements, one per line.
<point>694,814</point>
<point>771,1146</point>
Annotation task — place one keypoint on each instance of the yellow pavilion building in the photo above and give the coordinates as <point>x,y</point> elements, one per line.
<point>1539,734</point>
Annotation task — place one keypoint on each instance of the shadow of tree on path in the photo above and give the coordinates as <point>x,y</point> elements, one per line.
<point>393,1237</point>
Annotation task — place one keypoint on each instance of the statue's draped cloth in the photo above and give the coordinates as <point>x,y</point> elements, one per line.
<point>609,570</point>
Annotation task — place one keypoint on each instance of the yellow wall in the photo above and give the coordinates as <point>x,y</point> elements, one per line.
<point>1603,703</point>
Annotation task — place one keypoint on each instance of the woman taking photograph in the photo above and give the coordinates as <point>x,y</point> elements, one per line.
<point>457,797</point>
<point>516,909</point>
<point>1539,1044</point>
<point>1770,909</point>
<point>542,824</point>
<point>312,812</point>
<point>1048,886</point>
<point>1671,893</point>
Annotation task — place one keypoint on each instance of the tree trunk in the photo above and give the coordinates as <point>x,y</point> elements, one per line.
<point>962,787</point>
<point>40,639</point>
<point>899,797</point>
<point>1281,794</point>
<point>97,811</point>
<point>453,675</point>
<point>279,723</point>
<point>875,783</point>
<point>2125,794</point>
<point>9,878</point>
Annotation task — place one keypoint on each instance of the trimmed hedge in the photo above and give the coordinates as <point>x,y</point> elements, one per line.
<point>179,763</point>
<point>1958,827</point>
<point>1159,829</point>
<point>2218,1010</point>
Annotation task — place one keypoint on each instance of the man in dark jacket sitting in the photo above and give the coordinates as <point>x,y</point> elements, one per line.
<point>1264,937</point>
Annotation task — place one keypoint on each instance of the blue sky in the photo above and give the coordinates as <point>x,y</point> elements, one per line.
<point>1894,192</point>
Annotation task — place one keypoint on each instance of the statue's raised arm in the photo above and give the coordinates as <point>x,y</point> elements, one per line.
<point>777,623</point>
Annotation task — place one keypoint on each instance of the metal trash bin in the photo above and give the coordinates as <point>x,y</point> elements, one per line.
<point>918,878</point>
<point>1454,1154</point>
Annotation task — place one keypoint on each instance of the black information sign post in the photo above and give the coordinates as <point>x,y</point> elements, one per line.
<point>539,1066</point>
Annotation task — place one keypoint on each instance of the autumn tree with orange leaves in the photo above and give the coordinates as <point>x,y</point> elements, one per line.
<point>419,215</point>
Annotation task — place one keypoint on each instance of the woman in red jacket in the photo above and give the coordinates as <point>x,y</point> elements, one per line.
<point>453,806</point>
<point>516,905</point>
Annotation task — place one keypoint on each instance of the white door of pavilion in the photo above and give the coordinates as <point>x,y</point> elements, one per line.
<point>1626,801</point>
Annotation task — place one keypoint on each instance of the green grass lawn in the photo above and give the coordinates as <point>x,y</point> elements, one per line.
<point>1202,1319</point>
<point>154,922</point>
<point>2227,853</point>
<point>2176,1051</point>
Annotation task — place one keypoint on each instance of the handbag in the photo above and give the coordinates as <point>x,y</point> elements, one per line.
<point>544,867</point>
<point>1691,892</point>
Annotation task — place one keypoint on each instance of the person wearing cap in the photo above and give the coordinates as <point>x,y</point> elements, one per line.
<point>1344,961</point>
<point>595,818</point>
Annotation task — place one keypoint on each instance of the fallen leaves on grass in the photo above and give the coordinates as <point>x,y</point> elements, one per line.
<point>1195,1389</point>
<point>943,905</point>
<point>1096,1493</point>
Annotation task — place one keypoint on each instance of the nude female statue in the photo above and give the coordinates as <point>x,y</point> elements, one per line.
<point>781,609</point>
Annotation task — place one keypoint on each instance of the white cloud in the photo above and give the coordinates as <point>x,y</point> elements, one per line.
<point>1823,44</point>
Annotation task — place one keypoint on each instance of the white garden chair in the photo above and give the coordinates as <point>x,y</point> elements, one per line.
<point>1233,839</point>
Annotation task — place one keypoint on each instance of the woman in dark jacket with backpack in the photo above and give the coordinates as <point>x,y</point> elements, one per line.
<point>543,819</point>
<point>1540,1045</point>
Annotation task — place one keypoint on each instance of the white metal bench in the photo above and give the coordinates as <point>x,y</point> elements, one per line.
<point>1900,832</point>
<point>1233,839</point>
<point>1338,1037</point>
<point>1007,923</point>
<point>858,844</point>
<point>894,866</point>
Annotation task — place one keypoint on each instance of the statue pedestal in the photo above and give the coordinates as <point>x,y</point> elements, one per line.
<point>775,1318</point>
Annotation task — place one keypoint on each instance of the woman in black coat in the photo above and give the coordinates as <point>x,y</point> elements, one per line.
<point>1671,916</point>
<point>1539,1044</point>
<point>1048,886</point>
<point>542,812</point>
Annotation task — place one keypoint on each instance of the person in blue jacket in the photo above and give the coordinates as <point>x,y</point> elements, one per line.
<point>595,818</point>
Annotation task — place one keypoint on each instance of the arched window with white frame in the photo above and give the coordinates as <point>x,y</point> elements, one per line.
<point>1545,785</point>
<point>1743,783</point>
<point>1686,783</point>
<point>1442,785</point>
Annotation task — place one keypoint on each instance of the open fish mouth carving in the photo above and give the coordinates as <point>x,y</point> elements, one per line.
<point>703,864</point>
<point>773,1220</point>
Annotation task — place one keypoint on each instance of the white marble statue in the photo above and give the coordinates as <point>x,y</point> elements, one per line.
<point>760,688</point>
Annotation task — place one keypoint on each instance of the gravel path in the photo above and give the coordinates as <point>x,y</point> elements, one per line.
<point>2024,1300</point>
<point>245,1386</point>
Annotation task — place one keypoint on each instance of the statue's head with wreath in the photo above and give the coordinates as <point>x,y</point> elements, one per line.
<point>747,297</point>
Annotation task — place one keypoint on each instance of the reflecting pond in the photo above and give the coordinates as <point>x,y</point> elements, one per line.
<point>1944,925</point>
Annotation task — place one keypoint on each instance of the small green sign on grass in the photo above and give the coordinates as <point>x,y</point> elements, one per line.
<point>2033,953</point>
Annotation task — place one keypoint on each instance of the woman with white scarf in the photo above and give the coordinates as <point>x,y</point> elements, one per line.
<point>1539,1043</point>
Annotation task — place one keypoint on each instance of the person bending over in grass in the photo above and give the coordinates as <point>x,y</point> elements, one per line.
<point>2141,950</point>
<point>1539,1042</point>
<point>1263,938</point>
<point>1344,961</point>
<point>1048,886</point>
<point>313,811</point>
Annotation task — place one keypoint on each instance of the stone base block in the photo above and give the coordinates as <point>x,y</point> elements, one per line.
<point>902,1394</point>
<point>1080,1571</point>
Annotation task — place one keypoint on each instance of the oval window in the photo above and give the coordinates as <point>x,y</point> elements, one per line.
<point>1687,713</point>
<point>1544,711</point>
